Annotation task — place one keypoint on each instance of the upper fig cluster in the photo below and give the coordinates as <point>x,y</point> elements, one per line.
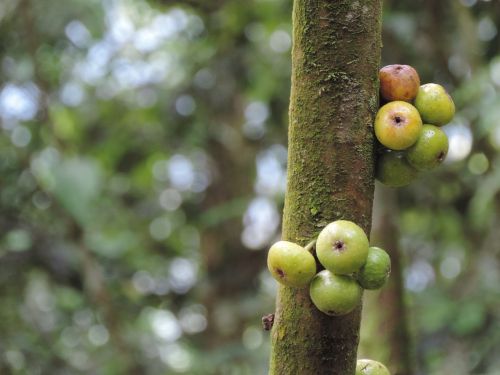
<point>408,125</point>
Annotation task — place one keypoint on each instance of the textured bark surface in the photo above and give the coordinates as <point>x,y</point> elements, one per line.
<point>334,98</point>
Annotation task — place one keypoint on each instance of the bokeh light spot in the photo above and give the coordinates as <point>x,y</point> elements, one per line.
<point>252,338</point>
<point>165,325</point>
<point>98,335</point>
<point>460,141</point>
<point>450,267</point>
<point>478,164</point>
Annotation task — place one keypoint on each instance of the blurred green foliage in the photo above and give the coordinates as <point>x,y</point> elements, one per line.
<point>142,171</point>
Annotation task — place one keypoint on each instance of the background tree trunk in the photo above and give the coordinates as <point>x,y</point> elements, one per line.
<point>334,97</point>
<point>386,317</point>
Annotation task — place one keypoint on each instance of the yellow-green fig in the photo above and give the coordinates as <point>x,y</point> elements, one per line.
<point>399,82</point>
<point>393,170</point>
<point>435,105</point>
<point>370,367</point>
<point>291,264</point>
<point>397,125</point>
<point>342,247</point>
<point>376,270</point>
<point>334,294</point>
<point>430,150</point>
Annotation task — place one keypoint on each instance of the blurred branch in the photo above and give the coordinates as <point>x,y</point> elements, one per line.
<point>390,324</point>
<point>200,5</point>
<point>32,46</point>
<point>94,282</point>
<point>99,295</point>
<point>47,339</point>
<point>437,11</point>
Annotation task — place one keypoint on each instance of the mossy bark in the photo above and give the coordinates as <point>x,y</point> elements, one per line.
<point>334,98</point>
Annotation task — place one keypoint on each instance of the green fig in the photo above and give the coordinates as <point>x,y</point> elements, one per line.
<point>430,149</point>
<point>342,247</point>
<point>394,170</point>
<point>291,264</point>
<point>375,272</point>
<point>370,367</point>
<point>399,82</point>
<point>334,294</point>
<point>435,105</point>
<point>397,125</point>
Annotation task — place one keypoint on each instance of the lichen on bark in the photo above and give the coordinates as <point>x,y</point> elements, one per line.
<point>334,98</point>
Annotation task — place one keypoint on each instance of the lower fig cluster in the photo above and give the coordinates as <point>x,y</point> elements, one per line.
<point>350,265</point>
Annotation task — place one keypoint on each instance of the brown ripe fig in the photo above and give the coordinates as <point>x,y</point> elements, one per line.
<point>399,82</point>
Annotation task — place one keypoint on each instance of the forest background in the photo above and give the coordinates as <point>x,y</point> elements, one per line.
<point>142,175</point>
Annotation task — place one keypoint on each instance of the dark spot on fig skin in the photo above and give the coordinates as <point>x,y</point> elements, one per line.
<point>398,120</point>
<point>338,246</point>
<point>441,156</point>
<point>280,272</point>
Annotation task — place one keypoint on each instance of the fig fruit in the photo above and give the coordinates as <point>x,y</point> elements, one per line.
<point>342,247</point>
<point>397,125</point>
<point>370,367</point>
<point>291,264</point>
<point>435,105</point>
<point>394,170</point>
<point>430,149</point>
<point>376,270</point>
<point>335,294</point>
<point>399,82</point>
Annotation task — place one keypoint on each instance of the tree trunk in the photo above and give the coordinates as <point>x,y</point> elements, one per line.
<point>334,98</point>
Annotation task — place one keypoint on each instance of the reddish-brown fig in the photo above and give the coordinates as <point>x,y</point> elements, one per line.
<point>399,82</point>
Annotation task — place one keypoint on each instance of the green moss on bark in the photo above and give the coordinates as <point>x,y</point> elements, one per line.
<point>334,96</point>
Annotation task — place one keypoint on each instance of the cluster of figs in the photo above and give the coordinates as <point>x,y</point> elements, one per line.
<point>408,129</point>
<point>408,125</point>
<point>350,265</point>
